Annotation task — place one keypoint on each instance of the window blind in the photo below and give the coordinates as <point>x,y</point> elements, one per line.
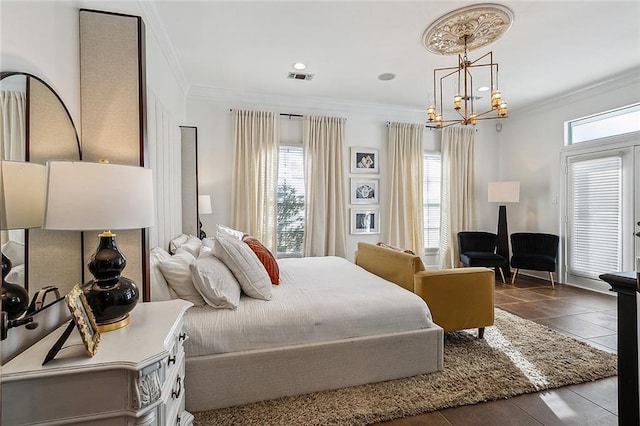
<point>290,201</point>
<point>431,196</point>
<point>596,216</point>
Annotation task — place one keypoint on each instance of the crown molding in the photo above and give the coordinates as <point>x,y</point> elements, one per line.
<point>154,21</point>
<point>615,81</point>
<point>332,105</point>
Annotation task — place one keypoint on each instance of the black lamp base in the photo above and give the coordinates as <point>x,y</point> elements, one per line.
<point>15,298</point>
<point>110,295</point>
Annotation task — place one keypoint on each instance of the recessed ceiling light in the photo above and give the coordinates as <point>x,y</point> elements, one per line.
<point>299,66</point>
<point>483,89</point>
<point>386,76</point>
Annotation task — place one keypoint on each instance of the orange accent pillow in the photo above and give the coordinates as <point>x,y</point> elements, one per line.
<point>265,257</point>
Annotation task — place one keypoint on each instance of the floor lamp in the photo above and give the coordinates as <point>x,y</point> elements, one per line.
<point>504,192</point>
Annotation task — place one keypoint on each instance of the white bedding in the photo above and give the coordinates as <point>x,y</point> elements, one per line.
<point>318,299</point>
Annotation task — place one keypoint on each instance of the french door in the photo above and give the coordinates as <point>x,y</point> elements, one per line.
<point>602,207</point>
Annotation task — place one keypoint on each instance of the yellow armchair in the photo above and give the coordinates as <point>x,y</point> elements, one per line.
<point>458,299</point>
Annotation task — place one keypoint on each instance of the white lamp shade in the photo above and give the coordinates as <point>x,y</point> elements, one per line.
<point>204,204</point>
<point>504,192</point>
<point>98,196</point>
<point>22,194</point>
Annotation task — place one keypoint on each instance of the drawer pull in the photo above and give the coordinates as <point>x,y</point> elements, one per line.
<point>176,394</point>
<point>182,336</point>
<point>178,420</point>
<point>171,360</point>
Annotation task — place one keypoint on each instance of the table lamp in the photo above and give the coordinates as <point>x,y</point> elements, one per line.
<point>22,194</point>
<point>504,192</point>
<point>83,196</point>
<point>204,207</point>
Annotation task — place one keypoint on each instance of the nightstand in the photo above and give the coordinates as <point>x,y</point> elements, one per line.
<point>135,378</point>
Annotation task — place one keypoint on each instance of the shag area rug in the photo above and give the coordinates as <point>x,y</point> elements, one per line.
<point>517,356</point>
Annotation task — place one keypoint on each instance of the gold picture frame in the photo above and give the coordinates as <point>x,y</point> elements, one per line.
<point>84,319</point>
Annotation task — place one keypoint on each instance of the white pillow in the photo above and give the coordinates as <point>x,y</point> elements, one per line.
<point>192,245</point>
<point>16,275</point>
<point>245,265</point>
<point>177,242</point>
<point>215,282</point>
<point>160,289</point>
<point>225,231</point>
<point>177,273</point>
<point>14,250</point>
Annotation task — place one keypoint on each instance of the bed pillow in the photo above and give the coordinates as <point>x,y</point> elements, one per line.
<point>225,231</point>
<point>178,274</point>
<point>215,282</point>
<point>14,250</point>
<point>245,265</point>
<point>177,242</point>
<point>192,245</point>
<point>265,257</point>
<point>160,289</point>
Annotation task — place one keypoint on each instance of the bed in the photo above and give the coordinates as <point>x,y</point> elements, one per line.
<point>327,324</point>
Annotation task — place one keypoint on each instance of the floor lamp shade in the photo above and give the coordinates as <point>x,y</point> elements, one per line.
<point>85,196</point>
<point>22,195</point>
<point>504,192</point>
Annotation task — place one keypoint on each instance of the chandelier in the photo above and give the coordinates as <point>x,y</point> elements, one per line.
<point>458,32</point>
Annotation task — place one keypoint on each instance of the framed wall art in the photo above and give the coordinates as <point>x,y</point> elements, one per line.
<point>364,191</point>
<point>365,221</point>
<point>364,160</point>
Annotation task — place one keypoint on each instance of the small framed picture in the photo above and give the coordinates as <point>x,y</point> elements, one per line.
<point>364,191</point>
<point>84,319</point>
<point>364,160</point>
<point>365,221</point>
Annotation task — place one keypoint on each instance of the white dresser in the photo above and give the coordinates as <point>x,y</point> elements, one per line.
<point>135,378</point>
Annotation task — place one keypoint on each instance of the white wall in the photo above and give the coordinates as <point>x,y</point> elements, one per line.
<point>365,127</point>
<point>531,141</point>
<point>41,38</point>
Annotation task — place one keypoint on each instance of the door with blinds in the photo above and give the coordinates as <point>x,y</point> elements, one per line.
<point>601,201</point>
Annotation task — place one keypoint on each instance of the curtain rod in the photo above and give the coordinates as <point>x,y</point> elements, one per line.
<point>282,114</point>
<point>388,123</point>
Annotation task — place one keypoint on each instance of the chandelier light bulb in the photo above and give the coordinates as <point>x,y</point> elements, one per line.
<point>496,96</point>
<point>457,100</point>
<point>431,113</point>
<point>473,119</point>
<point>502,109</point>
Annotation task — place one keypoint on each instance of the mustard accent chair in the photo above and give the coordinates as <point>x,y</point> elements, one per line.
<point>459,299</point>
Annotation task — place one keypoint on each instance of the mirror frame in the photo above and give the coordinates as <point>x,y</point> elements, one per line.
<point>7,74</point>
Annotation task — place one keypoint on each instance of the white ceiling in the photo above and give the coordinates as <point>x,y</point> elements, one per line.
<point>553,47</point>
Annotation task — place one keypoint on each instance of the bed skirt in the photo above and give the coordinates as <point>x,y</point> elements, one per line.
<point>225,380</point>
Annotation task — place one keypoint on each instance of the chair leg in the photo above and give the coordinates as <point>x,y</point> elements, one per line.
<point>515,272</point>
<point>502,273</point>
<point>481,333</point>
<point>551,278</point>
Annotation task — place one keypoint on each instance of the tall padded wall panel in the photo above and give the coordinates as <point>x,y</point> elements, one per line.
<point>113,99</point>
<point>189,160</point>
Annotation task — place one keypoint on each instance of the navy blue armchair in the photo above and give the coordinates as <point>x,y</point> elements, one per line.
<point>479,249</point>
<point>534,251</point>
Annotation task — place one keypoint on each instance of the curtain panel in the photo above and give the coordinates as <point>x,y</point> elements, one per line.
<point>12,126</point>
<point>405,217</point>
<point>255,175</point>
<point>458,199</point>
<point>325,206</point>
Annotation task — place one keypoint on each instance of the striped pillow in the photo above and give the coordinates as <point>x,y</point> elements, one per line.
<point>265,256</point>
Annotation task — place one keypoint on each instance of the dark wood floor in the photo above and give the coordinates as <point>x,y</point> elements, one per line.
<point>582,314</point>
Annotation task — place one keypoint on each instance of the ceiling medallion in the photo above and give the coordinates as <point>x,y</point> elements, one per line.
<point>467,28</point>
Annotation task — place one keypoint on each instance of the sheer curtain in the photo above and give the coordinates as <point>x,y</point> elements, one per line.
<point>405,218</point>
<point>12,126</point>
<point>325,224</point>
<point>458,191</point>
<point>255,175</point>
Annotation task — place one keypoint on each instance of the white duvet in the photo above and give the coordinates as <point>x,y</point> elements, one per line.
<point>318,299</point>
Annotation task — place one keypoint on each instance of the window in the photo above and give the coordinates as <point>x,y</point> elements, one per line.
<point>616,122</point>
<point>431,199</point>
<point>291,206</point>
<point>595,216</point>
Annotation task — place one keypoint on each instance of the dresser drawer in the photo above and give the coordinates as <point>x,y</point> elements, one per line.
<point>173,394</point>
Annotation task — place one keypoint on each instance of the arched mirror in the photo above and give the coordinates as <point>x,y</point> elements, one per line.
<point>36,127</point>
